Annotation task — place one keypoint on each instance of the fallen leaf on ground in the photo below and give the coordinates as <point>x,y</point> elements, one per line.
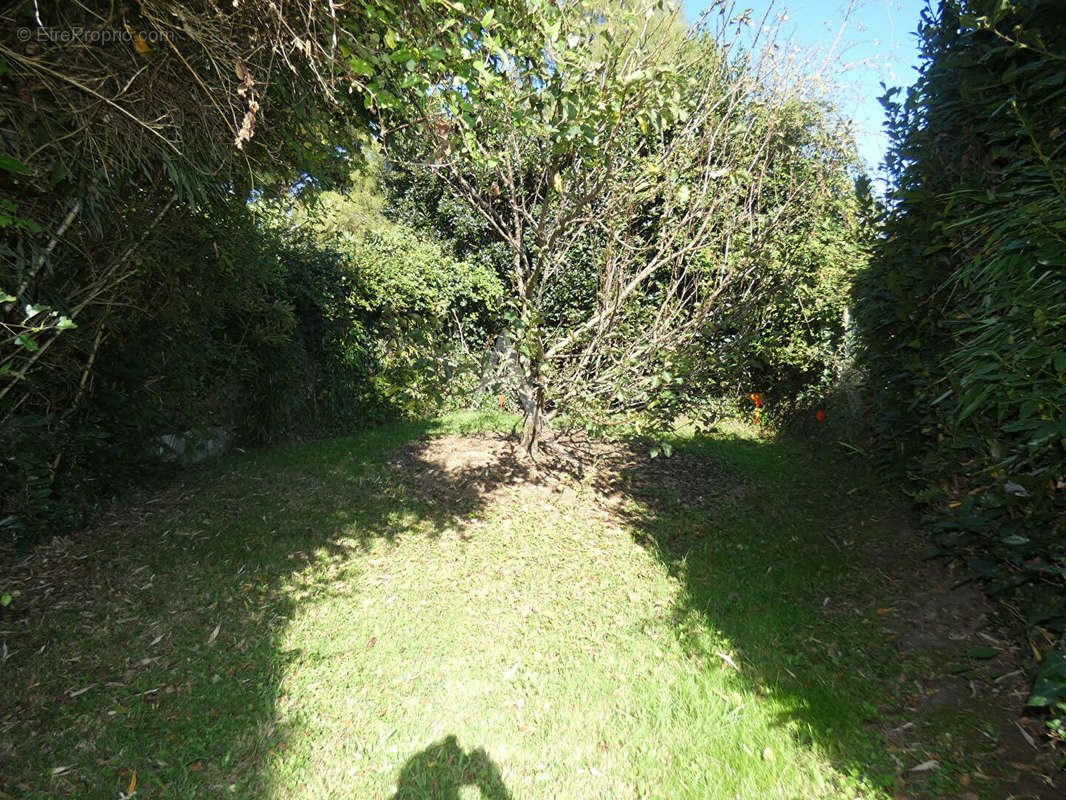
<point>1026,736</point>
<point>728,660</point>
<point>925,766</point>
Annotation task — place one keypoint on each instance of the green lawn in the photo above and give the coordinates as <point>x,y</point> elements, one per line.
<point>334,620</point>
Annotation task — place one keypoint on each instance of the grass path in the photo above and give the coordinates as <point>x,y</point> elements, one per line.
<point>335,620</point>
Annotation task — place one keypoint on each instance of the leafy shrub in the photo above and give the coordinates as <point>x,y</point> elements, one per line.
<point>433,315</point>
<point>964,307</point>
<point>229,322</point>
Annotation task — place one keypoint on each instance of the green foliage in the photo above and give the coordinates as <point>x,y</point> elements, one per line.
<point>200,109</point>
<point>123,213</point>
<point>1049,690</point>
<point>237,324</point>
<point>434,315</point>
<point>964,307</point>
<point>652,202</point>
<point>432,312</point>
<point>419,199</point>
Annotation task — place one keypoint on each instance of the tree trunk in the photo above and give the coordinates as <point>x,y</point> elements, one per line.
<point>538,436</point>
<point>535,423</point>
<point>504,364</point>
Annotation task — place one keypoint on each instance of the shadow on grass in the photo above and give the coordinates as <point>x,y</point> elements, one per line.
<point>149,653</point>
<point>779,571</point>
<point>443,768</point>
<point>766,539</point>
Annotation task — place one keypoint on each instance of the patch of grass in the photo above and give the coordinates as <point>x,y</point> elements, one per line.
<point>299,622</point>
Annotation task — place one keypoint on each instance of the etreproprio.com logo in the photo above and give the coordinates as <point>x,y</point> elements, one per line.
<point>90,35</point>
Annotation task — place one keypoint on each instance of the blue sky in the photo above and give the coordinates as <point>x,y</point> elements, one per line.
<point>877,44</point>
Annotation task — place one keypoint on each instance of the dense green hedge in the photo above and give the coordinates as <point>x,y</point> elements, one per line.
<point>964,308</point>
<point>231,321</point>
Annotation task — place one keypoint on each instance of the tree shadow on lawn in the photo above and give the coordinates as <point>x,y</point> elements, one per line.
<point>766,540</point>
<point>147,653</point>
<point>155,642</point>
<point>773,562</point>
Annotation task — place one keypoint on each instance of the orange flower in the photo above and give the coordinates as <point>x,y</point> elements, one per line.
<point>756,399</point>
<point>820,416</point>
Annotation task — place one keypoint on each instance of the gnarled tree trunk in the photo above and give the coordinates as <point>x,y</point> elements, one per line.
<point>504,364</point>
<point>535,423</point>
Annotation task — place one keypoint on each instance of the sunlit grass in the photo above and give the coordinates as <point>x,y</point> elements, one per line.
<point>297,623</point>
<point>549,641</point>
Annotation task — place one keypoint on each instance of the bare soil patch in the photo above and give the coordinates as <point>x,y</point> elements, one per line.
<point>458,471</point>
<point>937,620</point>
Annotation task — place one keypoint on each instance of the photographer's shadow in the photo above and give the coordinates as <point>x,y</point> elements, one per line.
<point>443,768</point>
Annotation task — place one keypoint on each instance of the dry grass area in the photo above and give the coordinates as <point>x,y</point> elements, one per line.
<point>488,467</point>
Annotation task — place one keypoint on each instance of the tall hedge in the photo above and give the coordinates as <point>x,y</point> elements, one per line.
<point>963,310</point>
<point>232,322</point>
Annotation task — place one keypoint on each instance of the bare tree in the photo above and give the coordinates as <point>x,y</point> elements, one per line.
<point>622,128</point>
